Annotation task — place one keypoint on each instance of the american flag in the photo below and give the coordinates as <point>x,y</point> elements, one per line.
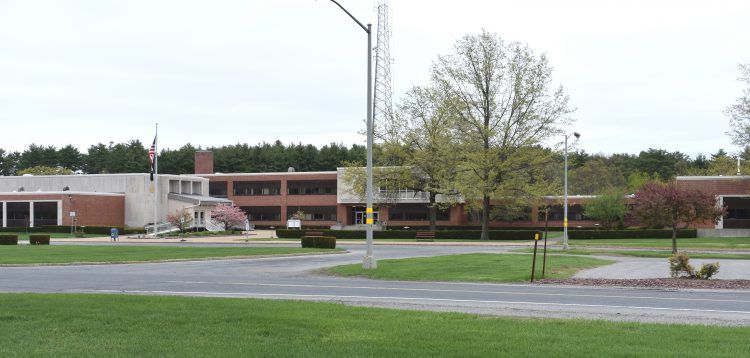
<point>151,157</point>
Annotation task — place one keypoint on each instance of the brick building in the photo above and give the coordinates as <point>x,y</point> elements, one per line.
<point>732,192</point>
<point>270,199</point>
<point>122,200</point>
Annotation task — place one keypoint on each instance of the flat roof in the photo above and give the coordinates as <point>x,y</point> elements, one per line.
<point>712,177</point>
<point>266,173</point>
<point>67,192</point>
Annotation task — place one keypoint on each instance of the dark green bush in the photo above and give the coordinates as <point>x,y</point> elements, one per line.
<point>308,241</point>
<point>318,242</point>
<point>631,234</point>
<point>97,230</point>
<point>8,239</point>
<point>411,234</point>
<point>38,239</point>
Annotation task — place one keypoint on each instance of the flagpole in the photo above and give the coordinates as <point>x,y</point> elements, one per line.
<point>156,179</point>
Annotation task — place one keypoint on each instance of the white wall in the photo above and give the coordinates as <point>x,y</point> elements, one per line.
<point>139,200</point>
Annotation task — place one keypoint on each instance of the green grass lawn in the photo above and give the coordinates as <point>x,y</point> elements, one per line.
<point>694,243</point>
<point>27,254</point>
<point>152,326</point>
<point>470,268</point>
<point>642,253</point>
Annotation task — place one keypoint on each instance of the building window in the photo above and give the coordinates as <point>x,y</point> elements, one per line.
<point>263,213</point>
<point>45,214</point>
<point>311,187</point>
<point>556,213</point>
<point>18,214</point>
<point>417,212</point>
<point>255,188</point>
<point>217,189</point>
<point>313,213</point>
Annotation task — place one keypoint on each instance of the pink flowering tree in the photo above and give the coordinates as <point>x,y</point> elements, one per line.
<point>228,216</point>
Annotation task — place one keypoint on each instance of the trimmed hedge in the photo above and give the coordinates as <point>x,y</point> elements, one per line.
<point>38,239</point>
<point>8,239</point>
<point>631,234</point>
<point>98,230</point>
<point>411,234</point>
<point>318,242</point>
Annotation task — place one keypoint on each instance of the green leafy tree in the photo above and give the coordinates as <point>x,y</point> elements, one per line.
<point>609,208</point>
<point>38,155</point>
<point>505,105</point>
<point>45,170</point>
<point>8,162</point>
<point>70,157</point>
<point>180,161</point>
<point>421,138</point>
<point>595,176</point>
<point>658,161</point>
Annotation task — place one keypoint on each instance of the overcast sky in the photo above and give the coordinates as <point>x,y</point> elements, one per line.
<point>640,73</point>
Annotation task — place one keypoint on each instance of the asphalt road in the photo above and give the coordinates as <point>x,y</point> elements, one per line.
<point>294,278</point>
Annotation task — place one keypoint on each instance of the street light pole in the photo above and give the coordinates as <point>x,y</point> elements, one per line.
<point>565,195</point>
<point>368,262</point>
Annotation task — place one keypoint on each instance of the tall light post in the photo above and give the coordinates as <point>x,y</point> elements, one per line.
<point>565,195</point>
<point>368,262</point>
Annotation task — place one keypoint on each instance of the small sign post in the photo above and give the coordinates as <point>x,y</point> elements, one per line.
<point>533,262</point>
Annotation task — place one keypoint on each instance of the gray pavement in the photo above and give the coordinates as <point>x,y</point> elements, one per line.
<point>295,278</point>
<point>637,267</point>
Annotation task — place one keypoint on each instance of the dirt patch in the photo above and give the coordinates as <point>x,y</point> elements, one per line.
<point>654,283</point>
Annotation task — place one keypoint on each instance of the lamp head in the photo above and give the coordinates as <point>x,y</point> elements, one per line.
<point>577,135</point>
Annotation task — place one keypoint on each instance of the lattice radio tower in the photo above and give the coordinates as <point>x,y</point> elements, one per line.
<point>382,101</point>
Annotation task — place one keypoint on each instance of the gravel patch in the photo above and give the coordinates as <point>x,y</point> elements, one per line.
<point>655,283</point>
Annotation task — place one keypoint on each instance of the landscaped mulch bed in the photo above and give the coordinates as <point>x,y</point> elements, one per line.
<point>653,283</point>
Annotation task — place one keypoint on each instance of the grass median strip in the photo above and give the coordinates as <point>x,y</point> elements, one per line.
<point>470,268</point>
<point>60,254</point>
<point>643,253</point>
<point>153,326</point>
<point>691,243</point>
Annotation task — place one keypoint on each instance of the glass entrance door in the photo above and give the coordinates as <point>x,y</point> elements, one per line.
<point>360,217</point>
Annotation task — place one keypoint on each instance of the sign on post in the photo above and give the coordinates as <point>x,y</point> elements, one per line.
<point>294,223</point>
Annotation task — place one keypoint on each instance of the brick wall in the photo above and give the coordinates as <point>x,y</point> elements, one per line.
<point>91,210</point>
<point>204,162</point>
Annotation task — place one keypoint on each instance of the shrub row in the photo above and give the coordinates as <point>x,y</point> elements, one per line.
<point>411,234</point>
<point>631,234</point>
<point>38,239</point>
<point>319,242</point>
<point>98,230</point>
<point>8,239</point>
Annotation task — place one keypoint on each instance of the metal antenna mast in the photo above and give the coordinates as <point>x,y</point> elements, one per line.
<point>382,101</point>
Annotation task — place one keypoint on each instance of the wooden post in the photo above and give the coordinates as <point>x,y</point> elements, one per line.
<point>546,221</point>
<point>533,262</point>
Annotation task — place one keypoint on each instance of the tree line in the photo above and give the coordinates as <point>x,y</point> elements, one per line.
<point>132,157</point>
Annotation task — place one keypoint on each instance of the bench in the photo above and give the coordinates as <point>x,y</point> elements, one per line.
<point>313,233</point>
<point>425,236</point>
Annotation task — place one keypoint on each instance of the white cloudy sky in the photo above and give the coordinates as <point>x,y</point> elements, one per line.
<point>642,73</point>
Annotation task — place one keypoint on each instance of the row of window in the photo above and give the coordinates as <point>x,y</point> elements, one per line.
<point>258,188</point>
<point>19,214</point>
<point>273,213</point>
